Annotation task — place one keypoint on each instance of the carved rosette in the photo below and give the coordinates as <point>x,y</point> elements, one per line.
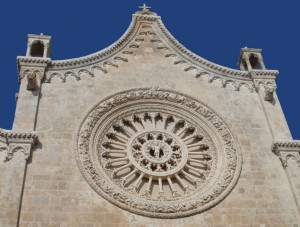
<point>157,153</point>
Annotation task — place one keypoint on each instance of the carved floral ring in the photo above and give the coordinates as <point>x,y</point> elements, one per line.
<point>157,153</point>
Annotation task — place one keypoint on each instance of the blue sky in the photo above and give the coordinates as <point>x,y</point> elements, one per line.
<point>215,30</point>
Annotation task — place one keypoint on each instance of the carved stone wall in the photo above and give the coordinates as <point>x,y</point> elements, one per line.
<point>58,191</point>
<point>146,133</point>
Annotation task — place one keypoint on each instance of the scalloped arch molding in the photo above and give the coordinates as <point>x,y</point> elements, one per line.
<point>146,28</point>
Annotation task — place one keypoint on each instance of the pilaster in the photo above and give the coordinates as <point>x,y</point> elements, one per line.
<point>31,74</point>
<point>265,86</point>
<point>31,69</point>
<point>15,150</point>
<point>251,60</point>
<point>289,154</point>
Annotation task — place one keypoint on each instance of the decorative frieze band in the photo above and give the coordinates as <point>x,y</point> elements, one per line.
<point>286,150</point>
<point>146,26</point>
<point>11,142</point>
<point>33,70</point>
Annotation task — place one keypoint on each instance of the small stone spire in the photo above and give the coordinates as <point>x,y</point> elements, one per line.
<point>39,46</point>
<point>251,58</point>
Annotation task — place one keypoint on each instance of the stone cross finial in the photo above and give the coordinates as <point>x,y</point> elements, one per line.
<point>145,8</point>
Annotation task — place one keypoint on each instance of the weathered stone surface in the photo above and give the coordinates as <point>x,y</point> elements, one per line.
<point>59,100</point>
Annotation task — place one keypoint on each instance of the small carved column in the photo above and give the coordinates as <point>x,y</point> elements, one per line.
<point>261,62</point>
<point>289,155</point>
<point>28,49</point>
<point>46,51</point>
<point>246,59</point>
<point>17,149</point>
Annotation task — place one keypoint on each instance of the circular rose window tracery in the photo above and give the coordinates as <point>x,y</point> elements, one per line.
<point>157,153</point>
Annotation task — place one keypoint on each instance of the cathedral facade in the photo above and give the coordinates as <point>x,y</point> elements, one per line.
<point>147,133</point>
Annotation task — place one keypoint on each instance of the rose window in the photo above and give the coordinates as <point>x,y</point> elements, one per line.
<point>159,156</point>
<point>157,153</point>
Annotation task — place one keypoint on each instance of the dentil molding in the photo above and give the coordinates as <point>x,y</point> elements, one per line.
<point>287,150</point>
<point>148,24</point>
<point>12,142</point>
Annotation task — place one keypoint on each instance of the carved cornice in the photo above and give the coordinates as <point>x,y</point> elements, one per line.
<point>148,23</point>
<point>17,135</point>
<point>103,54</point>
<point>143,17</point>
<point>135,36</point>
<point>286,150</point>
<point>264,74</point>
<point>30,61</point>
<point>11,142</point>
<point>32,68</point>
<point>199,60</point>
<point>199,66</point>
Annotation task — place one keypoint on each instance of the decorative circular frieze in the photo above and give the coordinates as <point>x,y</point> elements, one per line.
<point>157,153</point>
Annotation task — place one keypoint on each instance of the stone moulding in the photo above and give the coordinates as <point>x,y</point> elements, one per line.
<point>268,85</point>
<point>286,150</point>
<point>11,142</point>
<point>155,134</point>
<point>29,65</point>
<point>140,26</point>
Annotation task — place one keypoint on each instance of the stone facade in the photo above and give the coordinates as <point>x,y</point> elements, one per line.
<point>146,133</point>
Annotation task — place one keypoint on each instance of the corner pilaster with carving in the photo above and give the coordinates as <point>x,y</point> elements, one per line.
<point>264,82</point>
<point>15,151</point>
<point>12,142</point>
<point>265,85</point>
<point>289,154</point>
<point>32,71</point>
<point>31,76</point>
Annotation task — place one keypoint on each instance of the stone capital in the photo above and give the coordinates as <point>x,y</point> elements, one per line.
<point>267,83</point>
<point>12,142</point>
<point>287,150</point>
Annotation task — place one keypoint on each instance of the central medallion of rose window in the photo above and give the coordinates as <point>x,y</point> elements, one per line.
<point>156,153</point>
